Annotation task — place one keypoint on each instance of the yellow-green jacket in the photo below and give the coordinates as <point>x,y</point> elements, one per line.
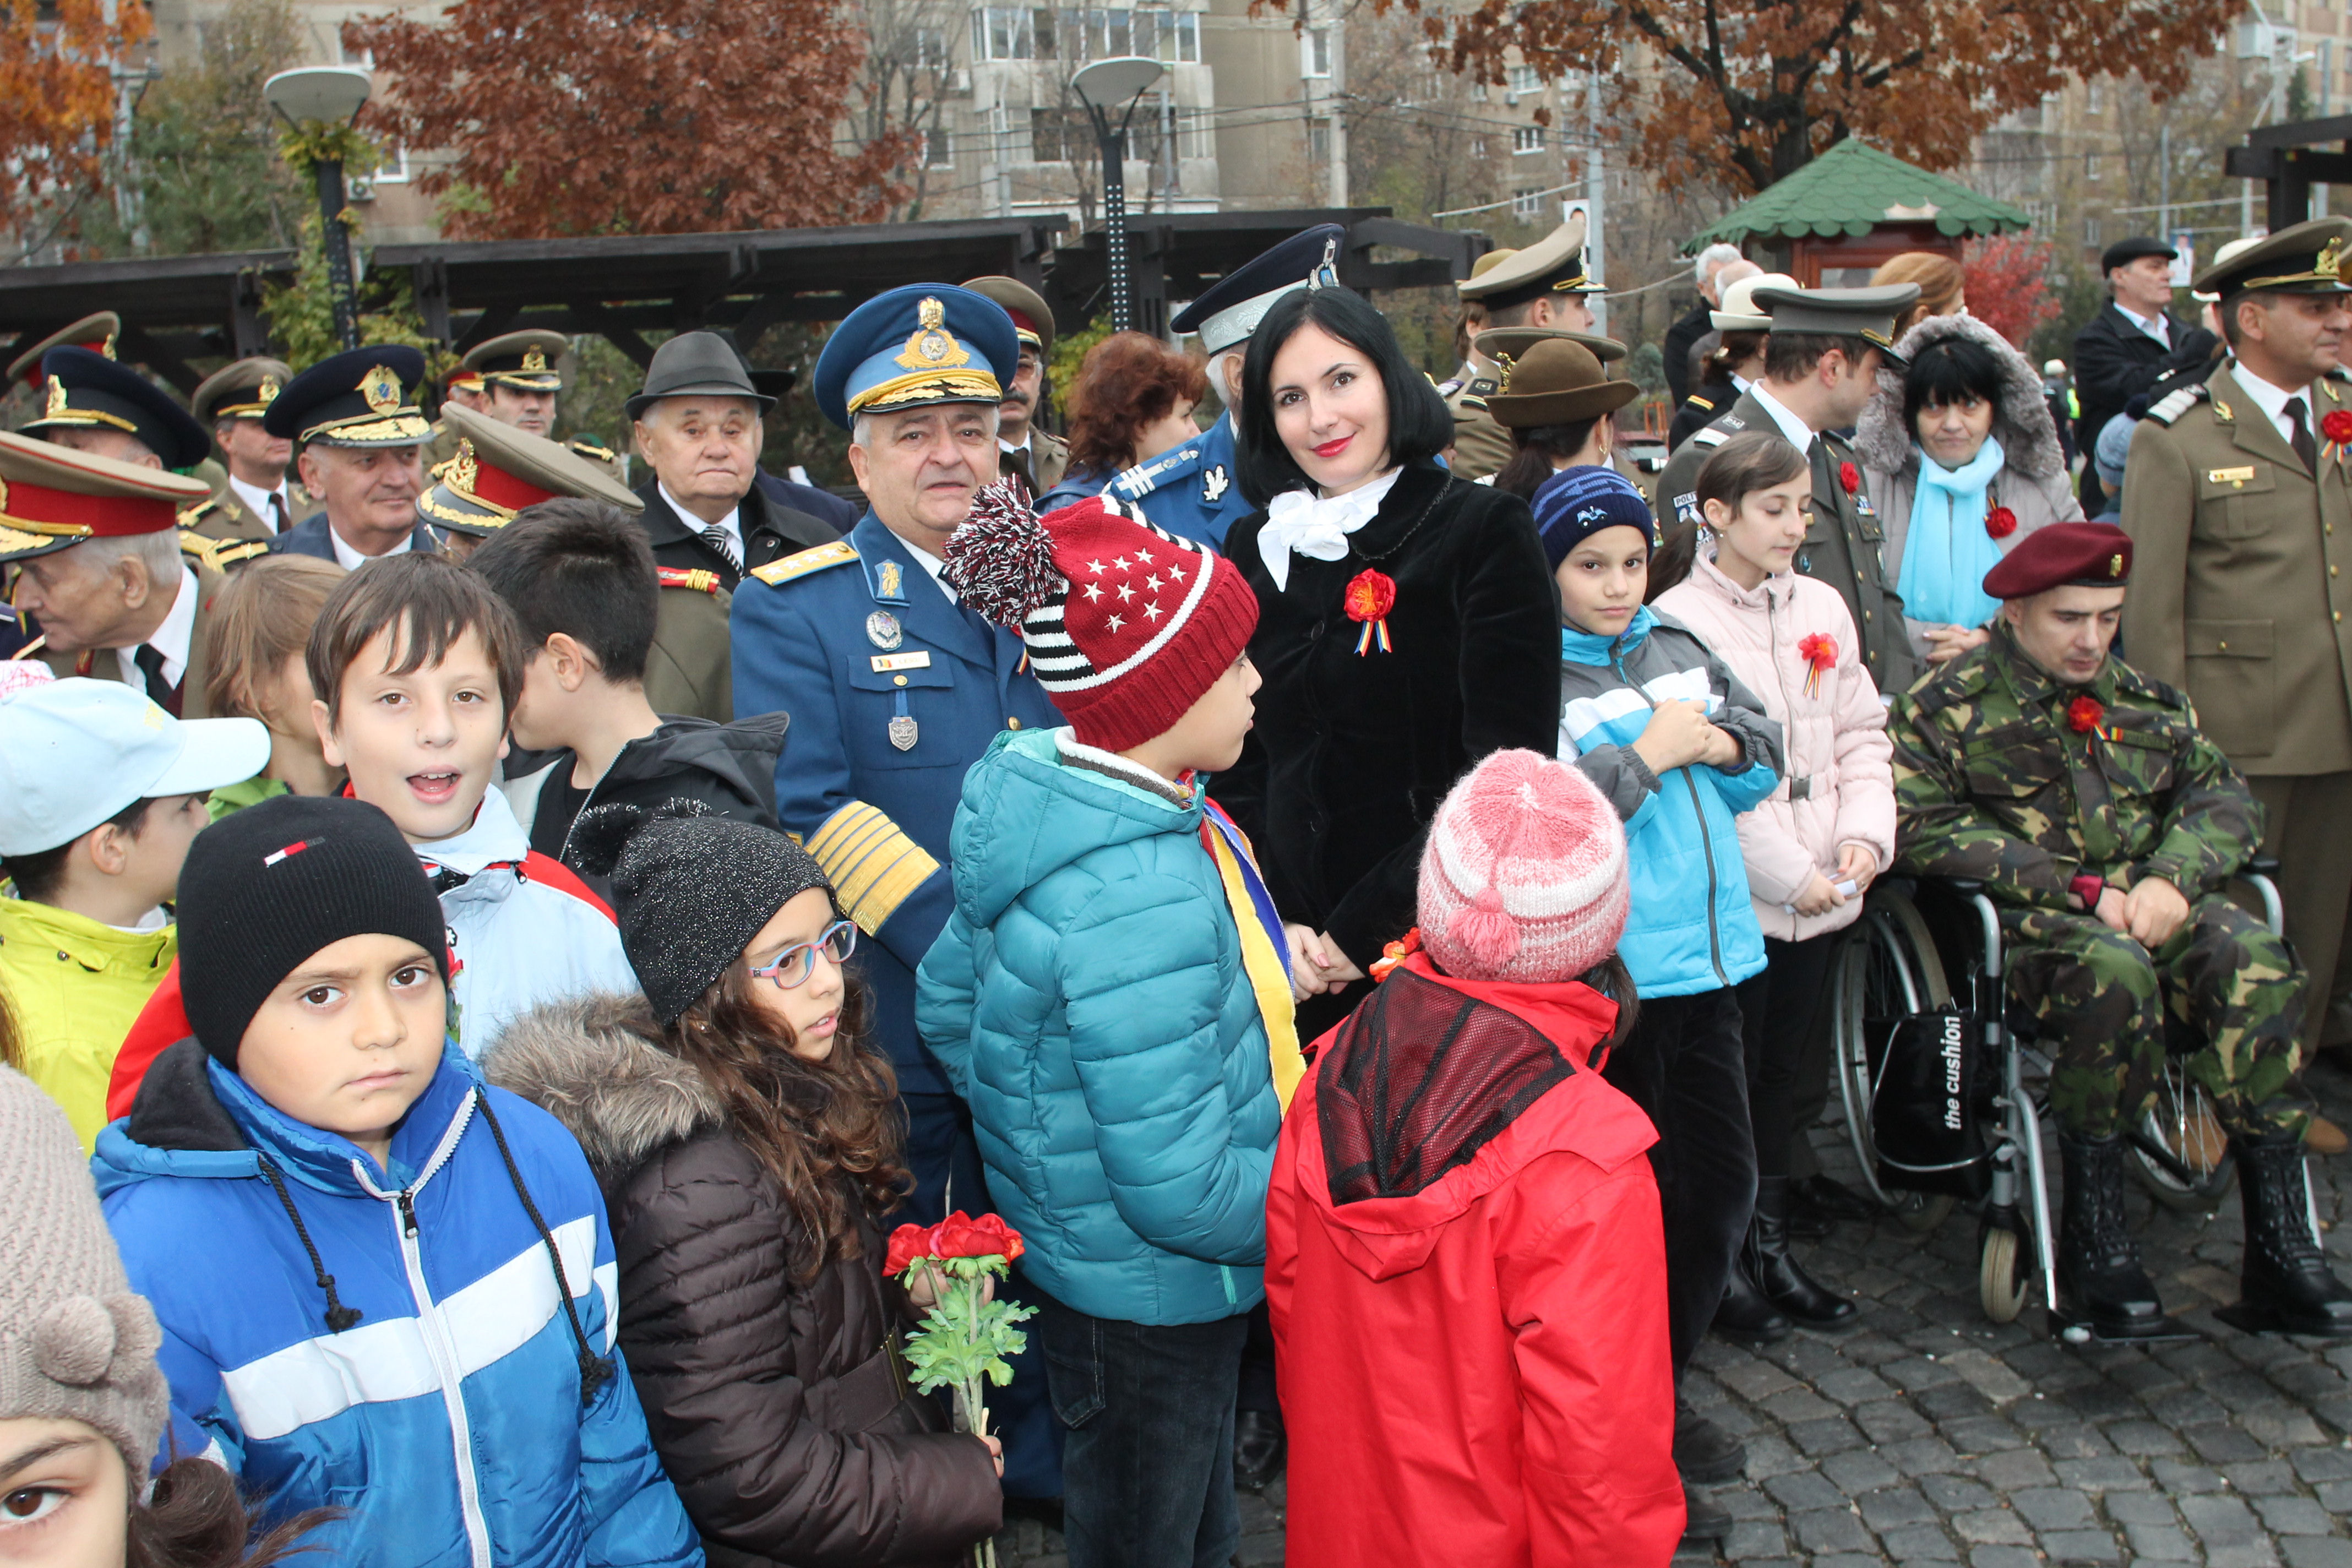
<point>74,987</point>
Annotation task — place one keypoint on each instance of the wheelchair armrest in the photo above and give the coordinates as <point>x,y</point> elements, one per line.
<point>2263,864</point>
<point>1967,887</point>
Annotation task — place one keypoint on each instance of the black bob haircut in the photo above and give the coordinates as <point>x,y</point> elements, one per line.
<point>1950,370</point>
<point>582,568</point>
<point>1419,426</point>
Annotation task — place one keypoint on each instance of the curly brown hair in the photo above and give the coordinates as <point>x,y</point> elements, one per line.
<point>1128,381</point>
<point>826,1132</point>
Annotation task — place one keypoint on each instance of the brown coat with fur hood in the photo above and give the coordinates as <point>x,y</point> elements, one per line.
<point>774,1402</point>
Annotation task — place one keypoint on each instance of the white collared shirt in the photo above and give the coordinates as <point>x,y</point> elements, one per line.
<point>2153,326</point>
<point>934,565</point>
<point>172,639</point>
<point>350,560</point>
<point>257,501</point>
<point>2273,400</point>
<point>732,523</point>
<point>1022,446</point>
<point>1800,434</point>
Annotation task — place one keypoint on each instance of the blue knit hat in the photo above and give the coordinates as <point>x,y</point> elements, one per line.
<point>1576,503</point>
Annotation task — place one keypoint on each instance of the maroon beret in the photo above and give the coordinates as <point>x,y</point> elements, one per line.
<point>2082,554</point>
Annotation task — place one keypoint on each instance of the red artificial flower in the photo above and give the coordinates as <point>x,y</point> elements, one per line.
<point>2082,714</point>
<point>1371,594</point>
<point>1395,953</point>
<point>1819,650</point>
<point>1851,477</point>
<point>2001,523</point>
<point>958,1235</point>
<point>2336,426</point>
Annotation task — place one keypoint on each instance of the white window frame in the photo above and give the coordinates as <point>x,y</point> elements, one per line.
<point>1527,139</point>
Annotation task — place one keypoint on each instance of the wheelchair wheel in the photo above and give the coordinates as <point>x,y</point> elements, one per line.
<point>2002,1280</point>
<point>1889,968</point>
<point>2180,1120</point>
<point>1920,1213</point>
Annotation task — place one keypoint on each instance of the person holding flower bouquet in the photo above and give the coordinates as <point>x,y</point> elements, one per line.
<point>1961,456</point>
<point>744,1130</point>
<point>1812,847</point>
<point>1111,996</point>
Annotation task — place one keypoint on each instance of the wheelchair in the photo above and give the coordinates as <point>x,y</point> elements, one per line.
<point>1900,960</point>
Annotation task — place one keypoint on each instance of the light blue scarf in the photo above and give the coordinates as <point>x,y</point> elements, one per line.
<point>1948,551</point>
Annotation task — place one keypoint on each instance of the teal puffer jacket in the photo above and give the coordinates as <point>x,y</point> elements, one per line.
<point>1087,1000</point>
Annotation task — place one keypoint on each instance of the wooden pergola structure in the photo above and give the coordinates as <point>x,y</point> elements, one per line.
<point>1855,207</point>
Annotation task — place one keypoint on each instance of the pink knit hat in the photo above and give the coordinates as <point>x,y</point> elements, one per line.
<point>1524,877</point>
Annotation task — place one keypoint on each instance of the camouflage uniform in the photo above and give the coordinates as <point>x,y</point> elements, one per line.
<point>1993,782</point>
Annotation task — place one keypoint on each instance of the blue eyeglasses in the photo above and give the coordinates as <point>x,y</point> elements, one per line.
<point>797,962</point>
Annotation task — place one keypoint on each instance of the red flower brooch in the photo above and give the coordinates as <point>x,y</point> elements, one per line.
<point>2001,523</point>
<point>1372,594</point>
<point>1851,477</point>
<point>1820,652</point>
<point>1395,953</point>
<point>2336,426</point>
<point>2082,714</point>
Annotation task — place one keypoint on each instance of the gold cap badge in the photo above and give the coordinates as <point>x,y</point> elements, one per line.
<point>534,358</point>
<point>461,472</point>
<point>2331,258</point>
<point>267,393</point>
<point>933,347</point>
<point>2114,565</point>
<point>382,390</point>
<point>58,403</point>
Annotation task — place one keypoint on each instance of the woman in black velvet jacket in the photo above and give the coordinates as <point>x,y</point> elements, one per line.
<point>1338,440</point>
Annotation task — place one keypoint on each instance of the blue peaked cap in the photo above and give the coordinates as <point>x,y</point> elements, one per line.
<point>925,343</point>
<point>1229,310</point>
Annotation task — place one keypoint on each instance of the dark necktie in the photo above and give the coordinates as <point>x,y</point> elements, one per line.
<point>722,541</point>
<point>149,660</point>
<point>2299,435</point>
<point>277,512</point>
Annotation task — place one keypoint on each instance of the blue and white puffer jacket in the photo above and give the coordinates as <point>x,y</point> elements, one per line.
<point>1690,928</point>
<point>444,1418</point>
<point>1087,1000</point>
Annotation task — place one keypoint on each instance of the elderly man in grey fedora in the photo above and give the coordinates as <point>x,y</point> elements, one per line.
<point>698,425</point>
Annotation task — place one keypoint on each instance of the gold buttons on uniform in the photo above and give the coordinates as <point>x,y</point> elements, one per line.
<point>898,680</point>
<point>2221,646</point>
<point>1013,723</point>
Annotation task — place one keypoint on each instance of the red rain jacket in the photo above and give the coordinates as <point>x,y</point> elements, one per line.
<point>1475,1375</point>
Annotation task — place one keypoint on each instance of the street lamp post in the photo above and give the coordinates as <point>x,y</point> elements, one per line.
<point>1119,83</point>
<point>327,98</point>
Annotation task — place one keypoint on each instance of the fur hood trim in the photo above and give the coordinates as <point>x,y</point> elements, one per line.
<point>2027,438</point>
<point>587,1061</point>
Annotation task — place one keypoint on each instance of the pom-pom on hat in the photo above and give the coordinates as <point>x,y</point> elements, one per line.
<point>1126,625</point>
<point>1523,876</point>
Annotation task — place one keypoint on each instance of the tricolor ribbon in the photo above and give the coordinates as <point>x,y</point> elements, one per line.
<point>1265,948</point>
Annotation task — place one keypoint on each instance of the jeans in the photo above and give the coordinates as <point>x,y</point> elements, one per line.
<point>1147,1463</point>
<point>1685,1067</point>
<point>1779,1011</point>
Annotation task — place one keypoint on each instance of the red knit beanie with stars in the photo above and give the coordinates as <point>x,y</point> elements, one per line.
<point>1127,627</point>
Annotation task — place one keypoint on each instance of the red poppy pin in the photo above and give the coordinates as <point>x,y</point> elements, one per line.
<point>1820,652</point>
<point>1372,594</point>
<point>2336,426</point>
<point>2082,714</point>
<point>1851,477</point>
<point>1395,953</point>
<point>2001,523</point>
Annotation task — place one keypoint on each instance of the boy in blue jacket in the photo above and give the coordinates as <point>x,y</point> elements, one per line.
<point>385,1288</point>
<point>1111,996</point>
<point>1681,748</point>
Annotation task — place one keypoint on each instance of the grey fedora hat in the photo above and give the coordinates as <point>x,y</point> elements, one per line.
<point>696,362</point>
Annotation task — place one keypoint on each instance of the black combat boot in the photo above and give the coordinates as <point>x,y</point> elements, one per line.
<point>1767,1262</point>
<point>1259,1449</point>
<point>2284,1285</point>
<point>1744,1314</point>
<point>2101,1284</point>
<point>1704,1452</point>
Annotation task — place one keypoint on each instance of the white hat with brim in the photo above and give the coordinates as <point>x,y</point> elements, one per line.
<point>75,753</point>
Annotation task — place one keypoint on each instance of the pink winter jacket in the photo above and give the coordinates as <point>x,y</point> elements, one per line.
<point>1840,761</point>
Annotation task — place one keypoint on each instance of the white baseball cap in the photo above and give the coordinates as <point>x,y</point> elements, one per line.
<point>75,753</point>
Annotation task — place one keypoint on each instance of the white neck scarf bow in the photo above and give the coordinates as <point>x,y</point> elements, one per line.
<point>1317,526</point>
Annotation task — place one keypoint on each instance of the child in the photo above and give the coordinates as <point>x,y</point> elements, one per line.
<point>747,1136</point>
<point>416,664</point>
<point>382,1287</point>
<point>581,579</point>
<point>1680,748</point>
<point>101,792</point>
<point>1459,1207</point>
<point>1111,998</point>
<point>261,623</point>
<point>1814,845</point>
<point>76,1452</point>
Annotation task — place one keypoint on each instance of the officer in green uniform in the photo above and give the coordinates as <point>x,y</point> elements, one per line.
<point>1543,285</point>
<point>2106,826</point>
<point>514,378</point>
<point>1821,366</point>
<point>253,498</point>
<point>1027,449</point>
<point>95,332</point>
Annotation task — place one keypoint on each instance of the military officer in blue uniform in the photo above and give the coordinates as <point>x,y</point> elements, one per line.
<point>895,690</point>
<point>1195,490</point>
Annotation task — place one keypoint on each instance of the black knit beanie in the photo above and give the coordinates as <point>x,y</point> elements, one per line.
<point>690,890</point>
<point>267,887</point>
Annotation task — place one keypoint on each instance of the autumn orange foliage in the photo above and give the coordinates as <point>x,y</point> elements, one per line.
<point>2008,284</point>
<point>630,116</point>
<point>57,97</point>
<point>1748,91</point>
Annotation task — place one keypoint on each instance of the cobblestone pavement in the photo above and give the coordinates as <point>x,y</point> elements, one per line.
<point>1928,1436</point>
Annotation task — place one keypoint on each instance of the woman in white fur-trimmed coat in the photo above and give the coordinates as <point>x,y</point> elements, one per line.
<point>1963,463</point>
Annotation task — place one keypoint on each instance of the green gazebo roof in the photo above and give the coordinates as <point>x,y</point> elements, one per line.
<point>1853,189</point>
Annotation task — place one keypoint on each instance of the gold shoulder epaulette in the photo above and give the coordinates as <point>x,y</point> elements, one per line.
<point>191,515</point>
<point>700,579</point>
<point>1701,401</point>
<point>218,555</point>
<point>776,574</point>
<point>31,649</point>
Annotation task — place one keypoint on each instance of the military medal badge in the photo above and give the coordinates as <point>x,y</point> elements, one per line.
<point>1372,594</point>
<point>882,629</point>
<point>903,732</point>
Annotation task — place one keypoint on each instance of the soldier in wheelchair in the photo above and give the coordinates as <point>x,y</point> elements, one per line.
<point>2105,826</point>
